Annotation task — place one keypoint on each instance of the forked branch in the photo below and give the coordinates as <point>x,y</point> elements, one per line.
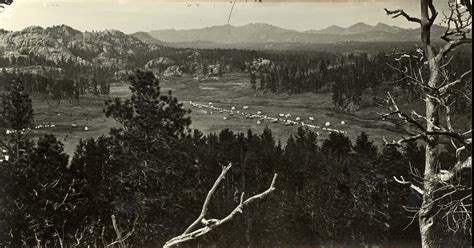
<point>120,239</point>
<point>192,232</point>
<point>412,186</point>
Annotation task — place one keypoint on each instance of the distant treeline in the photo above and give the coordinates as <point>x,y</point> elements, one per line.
<point>347,76</point>
<point>54,85</point>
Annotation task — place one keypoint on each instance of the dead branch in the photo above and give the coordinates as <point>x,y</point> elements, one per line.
<point>395,110</point>
<point>192,232</point>
<point>433,11</point>
<point>205,205</point>
<point>400,12</point>
<point>120,239</point>
<point>448,47</point>
<point>423,132</point>
<point>459,25</point>
<point>446,176</point>
<point>412,186</point>
<point>78,236</point>
<point>445,88</point>
<point>400,142</point>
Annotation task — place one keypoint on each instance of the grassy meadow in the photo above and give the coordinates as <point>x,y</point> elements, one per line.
<point>71,120</point>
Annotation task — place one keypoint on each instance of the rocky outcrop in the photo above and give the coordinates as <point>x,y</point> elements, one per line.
<point>34,41</point>
<point>173,70</point>
<point>159,65</point>
<point>58,44</point>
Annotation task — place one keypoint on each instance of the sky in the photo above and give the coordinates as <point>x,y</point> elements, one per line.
<point>132,16</point>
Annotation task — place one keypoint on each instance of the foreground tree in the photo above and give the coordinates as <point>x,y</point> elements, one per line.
<point>37,197</point>
<point>17,112</point>
<point>445,189</point>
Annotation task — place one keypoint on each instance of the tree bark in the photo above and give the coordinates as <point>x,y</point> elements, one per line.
<point>427,219</point>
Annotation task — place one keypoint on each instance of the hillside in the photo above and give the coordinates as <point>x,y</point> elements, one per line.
<point>147,38</point>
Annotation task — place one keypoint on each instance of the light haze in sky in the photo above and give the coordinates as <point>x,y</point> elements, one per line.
<point>146,15</point>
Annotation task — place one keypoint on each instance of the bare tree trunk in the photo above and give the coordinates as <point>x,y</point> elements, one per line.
<point>426,219</point>
<point>436,91</point>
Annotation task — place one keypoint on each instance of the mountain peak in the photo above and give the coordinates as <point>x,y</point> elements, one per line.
<point>333,29</point>
<point>359,27</point>
<point>387,28</point>
<point>113,32</point>
<point>258,24</point>
<point>32,29</point>
<point>63,29</point>
<point>360,24</point>
<point>146,38</point>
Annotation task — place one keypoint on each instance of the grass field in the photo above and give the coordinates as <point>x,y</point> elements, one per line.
<point>232,90</point>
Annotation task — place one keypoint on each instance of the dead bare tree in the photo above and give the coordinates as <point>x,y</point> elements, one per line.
<point>193,232</point>
<point>445,193</point>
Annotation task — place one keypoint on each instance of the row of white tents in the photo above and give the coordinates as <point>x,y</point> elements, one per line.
<point>282,118</point>
<point>40,126</point>
<point>24,130</point>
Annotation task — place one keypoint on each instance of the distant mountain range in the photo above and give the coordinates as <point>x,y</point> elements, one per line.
<point>114,49</point>
<point>266,33</point>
